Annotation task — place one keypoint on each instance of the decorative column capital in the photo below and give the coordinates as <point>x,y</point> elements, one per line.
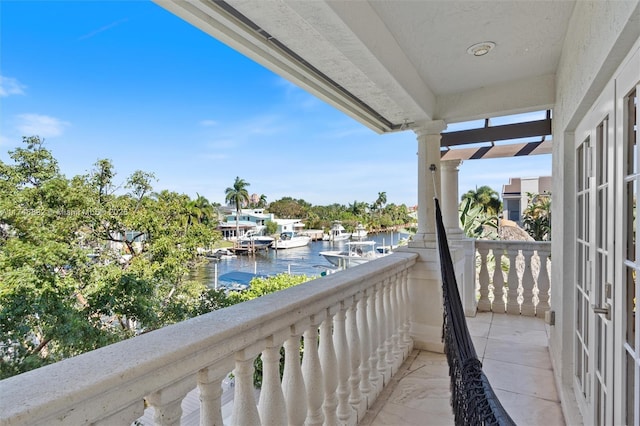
<point>450,165</point>
<point>434,127</point>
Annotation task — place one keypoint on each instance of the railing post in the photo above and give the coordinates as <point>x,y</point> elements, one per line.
<point>365,346</point>
<point>543,283</point>
<point>382,333</point>
<point>210,384</point>
<point>513,306</point>
<point>372,314</point>
<point>353,337</point>
<point>312,373</point>
<point>272,406</point>
<point>167,402</point>
<point>293,385</point>
<point>343,364</point>
<point>328,361</point>
<point>499,290</point>
<point>388,322</point>
<point>406,313</point>
<point>245,411</point>
<point>395,308</point>
<point>527,307</point>
<point>484,304</point>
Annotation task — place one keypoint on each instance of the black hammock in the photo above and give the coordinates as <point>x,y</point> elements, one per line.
<point>473,400</point>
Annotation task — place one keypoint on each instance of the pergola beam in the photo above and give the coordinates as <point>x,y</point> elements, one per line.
<point>498,133</point>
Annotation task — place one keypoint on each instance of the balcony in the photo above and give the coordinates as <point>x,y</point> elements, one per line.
<point>360,367</point>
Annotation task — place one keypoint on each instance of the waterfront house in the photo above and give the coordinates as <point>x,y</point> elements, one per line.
<point>416,66</point>
<point>515,195</point>
<point>288,225</point>
<point>248,220</point>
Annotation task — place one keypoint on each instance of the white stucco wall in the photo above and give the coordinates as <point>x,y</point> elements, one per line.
<point>599,37</point>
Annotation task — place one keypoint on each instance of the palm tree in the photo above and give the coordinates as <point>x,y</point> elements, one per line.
<point>487,198</point>
<point>263,201</point>
<point>237,195</point>
<point>381,200</point>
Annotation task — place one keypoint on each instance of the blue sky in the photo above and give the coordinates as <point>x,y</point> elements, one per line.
<point>133,83</point>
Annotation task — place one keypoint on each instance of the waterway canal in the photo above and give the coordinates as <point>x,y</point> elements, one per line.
<point>302,260</point>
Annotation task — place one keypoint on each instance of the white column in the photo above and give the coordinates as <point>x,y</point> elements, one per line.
<point>428,155</point>
<point>449,198</point>
<point>424,281</point>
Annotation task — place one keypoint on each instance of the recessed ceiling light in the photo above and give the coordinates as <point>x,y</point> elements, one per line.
<point>481,49</point>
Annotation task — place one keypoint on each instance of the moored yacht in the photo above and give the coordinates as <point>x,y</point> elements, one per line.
<point>338,233</point>
<point>354,253</point>
<point>290,239</point>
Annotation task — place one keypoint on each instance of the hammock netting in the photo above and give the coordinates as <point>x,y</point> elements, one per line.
<point>473,400</point>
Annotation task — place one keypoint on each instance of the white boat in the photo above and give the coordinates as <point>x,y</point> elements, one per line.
<point>338,233</point>
<point>221,254</point>
<point>252,240</point>
<point>290,239</point>
<point>360,232</point>
<point>354,253</point>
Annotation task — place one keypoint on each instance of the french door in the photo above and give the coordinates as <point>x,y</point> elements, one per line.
<point>606,345</point>
<point>596,208</point>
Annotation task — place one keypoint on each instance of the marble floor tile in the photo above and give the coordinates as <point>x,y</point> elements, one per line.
<point>514,335</point>
<point>530,411</point>
<point>521,379</point>
<point>522,354</point>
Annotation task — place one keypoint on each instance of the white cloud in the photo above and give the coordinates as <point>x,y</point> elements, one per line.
<point>10,86</point>
<point>208,123</point>
<point>40,125</point>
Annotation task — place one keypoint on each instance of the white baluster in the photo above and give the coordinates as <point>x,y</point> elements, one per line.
<point>272,406</point>
<point>245,412</point>
<point>543,284</point>
<point>292,382</point>
<point>167,402</point>
<point>388,316</point>
<point>513,307</point>
<point>395,308</point>
<point>312,373</point>
<point>365,346</point>
<point>499,290</point>
<point>382,333</point>
<point>527,307</point>
<point>210,384</point>
<point>329,361</point>
<point>406,310</point>
<point>353,338</point>
<point>374,333</point>
<point>342,353</point>
<point>484,304</point>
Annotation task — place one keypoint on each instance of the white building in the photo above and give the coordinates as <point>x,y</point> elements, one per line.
<point>515,198</point>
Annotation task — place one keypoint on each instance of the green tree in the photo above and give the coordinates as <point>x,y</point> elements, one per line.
<point>475,222</point>
<point>289,208</point>
<point>238,196</point>
<point>487,198</point>
<point>82,267</point>
<point>537,216</point>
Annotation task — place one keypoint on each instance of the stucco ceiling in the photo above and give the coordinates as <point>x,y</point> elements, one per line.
<point>390,62</point>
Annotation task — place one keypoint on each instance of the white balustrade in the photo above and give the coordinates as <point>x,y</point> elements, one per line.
<point>365,346</point>
<point>355,329</point>
<point>292,381</point>
<point>312,373</point>
<point>526,288</point>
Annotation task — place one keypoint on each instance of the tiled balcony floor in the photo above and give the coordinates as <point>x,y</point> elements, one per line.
<point>515,358</point>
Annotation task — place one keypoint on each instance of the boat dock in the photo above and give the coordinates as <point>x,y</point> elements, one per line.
<point>314,234</point>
